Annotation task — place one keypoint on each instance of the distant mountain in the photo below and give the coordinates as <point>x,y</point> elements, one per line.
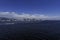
<point>4,21</point>
<point>12,19</point>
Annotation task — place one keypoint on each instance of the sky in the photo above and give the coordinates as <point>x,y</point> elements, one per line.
<point>40,7</point>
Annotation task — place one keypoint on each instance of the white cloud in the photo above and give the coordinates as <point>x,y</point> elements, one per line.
<point>22,16</point>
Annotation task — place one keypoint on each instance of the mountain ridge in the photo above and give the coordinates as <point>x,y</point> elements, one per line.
<point>4,21</point>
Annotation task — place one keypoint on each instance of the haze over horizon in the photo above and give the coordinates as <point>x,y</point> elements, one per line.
<point>38,9</point>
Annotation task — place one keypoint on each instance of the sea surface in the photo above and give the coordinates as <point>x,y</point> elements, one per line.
<point>47,30</point>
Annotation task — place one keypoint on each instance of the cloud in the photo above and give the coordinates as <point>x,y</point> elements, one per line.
<point>22,16</point>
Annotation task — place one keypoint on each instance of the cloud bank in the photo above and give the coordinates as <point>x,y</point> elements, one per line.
<point>22,16</point>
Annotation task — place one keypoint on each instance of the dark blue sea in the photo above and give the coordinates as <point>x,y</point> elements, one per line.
<point>47,30</point>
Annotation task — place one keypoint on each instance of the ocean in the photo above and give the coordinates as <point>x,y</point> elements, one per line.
<point>46,30</point>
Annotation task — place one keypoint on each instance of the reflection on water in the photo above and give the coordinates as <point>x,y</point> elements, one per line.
<point>6,23</point>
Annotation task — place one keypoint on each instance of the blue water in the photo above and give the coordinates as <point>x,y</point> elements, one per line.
<point>30,31</point>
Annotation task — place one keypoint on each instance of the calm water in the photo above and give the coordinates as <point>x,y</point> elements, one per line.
<point>30,31</point>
